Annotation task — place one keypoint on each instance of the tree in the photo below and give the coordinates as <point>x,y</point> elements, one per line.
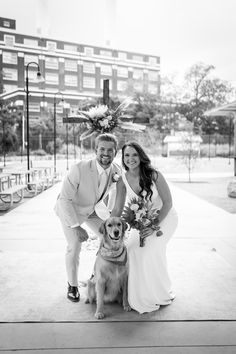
<point>145,108</point>
<point>202,93</point>
<point>172,90</point>
<point>190,150</point>
<point>9,115</point>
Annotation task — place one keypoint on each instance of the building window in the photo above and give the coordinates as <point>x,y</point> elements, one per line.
<point>110,84</point>
<point>88,51</point>
<point>152,89</point>
<point>152,60</point>
<point>9,40</point>
<point>9,88</point>
<point>138,74</point>
<point>137,58</point>
<point>88,67</point>
<point>51,78</point>
<point>30,42</point>
<point>32,75</point>
<point>29,58</point>
<point>122,55</point>
<point>138,86</point>
<point>51,46</point>
<point>121,85</point>
<point>106,69</point>
<point>89,82</point>
<point>70,47</point>
<point>9,58</point>
<point>70,65</point>
<point>10,74</point>
<point>51,63</point>
<point>71,80</point>
<point>6,24</point>
<point>34,107</point>
<point>153,75</point>
<point>122,71</point>
<point>106,53</point>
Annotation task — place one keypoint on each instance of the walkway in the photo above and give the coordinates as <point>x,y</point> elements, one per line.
<point>36,317</point>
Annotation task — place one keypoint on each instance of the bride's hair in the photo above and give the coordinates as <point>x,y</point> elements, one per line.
<point>147,172</point>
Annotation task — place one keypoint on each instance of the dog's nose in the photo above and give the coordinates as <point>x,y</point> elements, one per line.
<point>116,233</point>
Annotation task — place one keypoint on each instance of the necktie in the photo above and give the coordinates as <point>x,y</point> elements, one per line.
<point>102,183</point>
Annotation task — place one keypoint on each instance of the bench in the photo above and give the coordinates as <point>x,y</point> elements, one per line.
<point>35,187</point>
<point>12,195</point>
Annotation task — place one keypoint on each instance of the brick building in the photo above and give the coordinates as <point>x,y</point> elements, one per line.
<point>76,70</point>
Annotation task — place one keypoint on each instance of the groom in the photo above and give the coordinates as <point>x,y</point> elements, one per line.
<point>80,202</point>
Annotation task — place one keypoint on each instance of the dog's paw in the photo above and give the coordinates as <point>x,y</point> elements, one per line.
<point>87,301</point>
<point>99,315</point>
<point>127,308</point>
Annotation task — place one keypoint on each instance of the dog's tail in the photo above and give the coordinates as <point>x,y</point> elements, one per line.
<point>83,284</point>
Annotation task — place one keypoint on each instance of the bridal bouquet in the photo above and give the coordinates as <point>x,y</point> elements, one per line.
<point>102,119</point>
<point>139,214</point>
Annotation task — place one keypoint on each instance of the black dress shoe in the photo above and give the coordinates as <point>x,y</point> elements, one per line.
<point>73,293</point>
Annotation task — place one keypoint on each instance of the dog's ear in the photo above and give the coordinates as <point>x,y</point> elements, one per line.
<point>124,225</point>
<point>102,228</point>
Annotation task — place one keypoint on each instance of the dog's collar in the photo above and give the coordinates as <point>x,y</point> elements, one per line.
<point>118,257</point>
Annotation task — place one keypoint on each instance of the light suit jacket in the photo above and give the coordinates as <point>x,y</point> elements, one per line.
<point>79,194</point>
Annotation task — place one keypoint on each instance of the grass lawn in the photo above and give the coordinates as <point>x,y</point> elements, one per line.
<point>207,181</point>
<point>213,190</point>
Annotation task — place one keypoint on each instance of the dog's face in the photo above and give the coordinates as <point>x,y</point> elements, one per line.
<point>113,230</point>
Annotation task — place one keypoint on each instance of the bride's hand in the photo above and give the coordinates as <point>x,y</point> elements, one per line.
<point>148,231</point>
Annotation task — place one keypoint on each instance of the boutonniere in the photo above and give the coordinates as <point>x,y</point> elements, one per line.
<point>115,176</point>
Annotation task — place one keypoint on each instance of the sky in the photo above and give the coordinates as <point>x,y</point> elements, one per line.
<point>181,32</point>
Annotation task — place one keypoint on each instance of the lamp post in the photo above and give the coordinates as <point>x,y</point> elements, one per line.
<point>67,152</point>
<point>55,128</point>
<point>27,109</point>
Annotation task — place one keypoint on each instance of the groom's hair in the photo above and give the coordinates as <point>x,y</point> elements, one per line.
<point>107,137</point>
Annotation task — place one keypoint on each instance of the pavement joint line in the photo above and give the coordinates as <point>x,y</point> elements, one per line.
<point>126,347</point>
<point>118,321</point>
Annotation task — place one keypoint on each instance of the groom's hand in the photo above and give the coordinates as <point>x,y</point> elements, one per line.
<point>82,234</point>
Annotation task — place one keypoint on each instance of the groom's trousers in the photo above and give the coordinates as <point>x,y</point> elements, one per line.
<point>74,246</point>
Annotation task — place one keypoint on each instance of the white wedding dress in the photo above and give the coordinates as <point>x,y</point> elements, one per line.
<point>149,284</point>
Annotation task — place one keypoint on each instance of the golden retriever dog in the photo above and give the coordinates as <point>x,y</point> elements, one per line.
<point>109,283</point>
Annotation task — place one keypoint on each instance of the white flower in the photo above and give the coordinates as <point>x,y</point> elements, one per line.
<point>115,177</point>
<point>109,117</point>
<point>101,123</point>
<point>142,211</point>
<point>98,111</point>
<point>138,216</point>
<point>134,207</point>
<point>106,122</point>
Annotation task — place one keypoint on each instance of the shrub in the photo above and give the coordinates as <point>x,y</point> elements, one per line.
<point>219,150</point>
<point>39,152</point>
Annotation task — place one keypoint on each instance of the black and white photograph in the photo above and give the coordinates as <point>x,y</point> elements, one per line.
<point>117,177</point>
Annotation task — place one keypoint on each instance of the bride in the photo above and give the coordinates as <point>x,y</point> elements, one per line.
<point>149,284</point>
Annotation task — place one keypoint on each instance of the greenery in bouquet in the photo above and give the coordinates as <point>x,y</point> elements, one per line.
<point>139,214</point>
<point>102,119</point>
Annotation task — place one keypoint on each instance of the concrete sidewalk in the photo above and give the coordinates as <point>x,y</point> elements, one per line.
<point>36,316</point>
